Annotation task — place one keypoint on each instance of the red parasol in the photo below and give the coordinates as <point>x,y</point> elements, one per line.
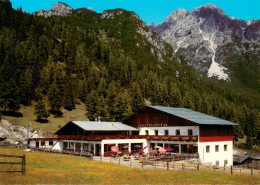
<point>145,148</point>
<point>162,150</point>
<point>114,149</point>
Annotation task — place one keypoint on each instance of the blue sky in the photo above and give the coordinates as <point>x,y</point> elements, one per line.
<point>150,10</point>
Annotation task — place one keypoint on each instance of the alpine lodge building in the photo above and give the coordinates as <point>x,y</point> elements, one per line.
<point>184,130</point>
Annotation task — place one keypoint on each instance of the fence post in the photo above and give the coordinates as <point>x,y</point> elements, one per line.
<point>100,157</point>
<point>251,171</point>
<point>155,165</point>
<point>214,168</point>
<point>23,164</point>
<point>198,167</point>
<point>167,166</point>
<point>231,170</point>
<point>110,159</point>
<point>142,164</point>
<point>130,163</point>
<point>224,167</point>
<point>118,160</point>
<point>182,166</point>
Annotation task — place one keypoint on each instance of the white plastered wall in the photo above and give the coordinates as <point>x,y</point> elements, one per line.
<point>213,156</point>
<point>57,145</point>
<point>172,130</point>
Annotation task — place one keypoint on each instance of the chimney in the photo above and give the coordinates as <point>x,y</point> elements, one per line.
<point>99,120</point>
<point>96,119</point>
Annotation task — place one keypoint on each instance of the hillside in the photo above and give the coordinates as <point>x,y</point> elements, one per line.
<point>112,62</point>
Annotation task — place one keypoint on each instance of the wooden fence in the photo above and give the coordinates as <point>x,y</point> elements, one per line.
<point>13,146</point>
<point>22,163</point>
<point>72,152</point>
<point>188,166</point>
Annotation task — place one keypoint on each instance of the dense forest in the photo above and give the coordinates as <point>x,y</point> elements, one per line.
<point>107,65</point>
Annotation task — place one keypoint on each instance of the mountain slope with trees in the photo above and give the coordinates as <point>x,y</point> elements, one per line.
<point>112,62</point>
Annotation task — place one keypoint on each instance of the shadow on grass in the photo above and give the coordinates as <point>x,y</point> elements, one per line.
<point>42,120</point>
<point>10,113</point>
<point>57,114</point>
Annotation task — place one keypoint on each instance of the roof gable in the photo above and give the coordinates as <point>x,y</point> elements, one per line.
<point>194,116</point>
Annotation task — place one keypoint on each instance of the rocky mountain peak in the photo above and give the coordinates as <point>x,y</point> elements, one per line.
<point>210,8</point>
<point>180,13</point>
<point>61,7</point>
<point>203,35</point>
<point>58,9</point>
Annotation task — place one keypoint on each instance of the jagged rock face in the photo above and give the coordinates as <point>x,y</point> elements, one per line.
<point>252,31</point>
<point>58,9</point>
<point>108,14</point>
<point>199,35</point>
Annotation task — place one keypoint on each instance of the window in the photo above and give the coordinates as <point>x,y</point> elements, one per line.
<point>225,162</point>
<point>156,132</point>
<point>216,132</point>
<point>166,132</point>
<point>217,163</point>
<point>216,148</point>
<point>225,147</point>
<point>146,132</point>
<point>207,149</point>
<point>178,132</point>
<point>50,142</point>
<point>43,143</point>
<point>190,132</point>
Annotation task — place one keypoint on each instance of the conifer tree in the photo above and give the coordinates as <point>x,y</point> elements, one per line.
<point>122,106</point>
<point>112,92</point>
<point>40,111</point>
<point>103,109</point>
<point>55,99</point>
<point>137,98</point>
<point>92,105</point>
<point>69,95</point>
<point>81,61</point>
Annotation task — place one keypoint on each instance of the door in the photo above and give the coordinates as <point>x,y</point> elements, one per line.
<point>37,144</point>
<point>97,150</point>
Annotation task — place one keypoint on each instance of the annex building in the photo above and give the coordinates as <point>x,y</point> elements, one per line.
<point>185,131</point>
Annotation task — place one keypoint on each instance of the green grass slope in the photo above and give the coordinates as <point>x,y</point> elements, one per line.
<point>45,168</point>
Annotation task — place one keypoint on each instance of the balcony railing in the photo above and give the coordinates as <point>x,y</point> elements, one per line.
<point>148,137</point>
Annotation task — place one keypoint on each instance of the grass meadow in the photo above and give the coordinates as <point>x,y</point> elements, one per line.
<point>54,122</point>
<point>47,168</point>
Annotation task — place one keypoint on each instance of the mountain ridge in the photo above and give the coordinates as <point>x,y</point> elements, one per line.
<point>203,35</point>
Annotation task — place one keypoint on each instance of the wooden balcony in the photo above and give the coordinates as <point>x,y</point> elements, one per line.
<point>149,137</point>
